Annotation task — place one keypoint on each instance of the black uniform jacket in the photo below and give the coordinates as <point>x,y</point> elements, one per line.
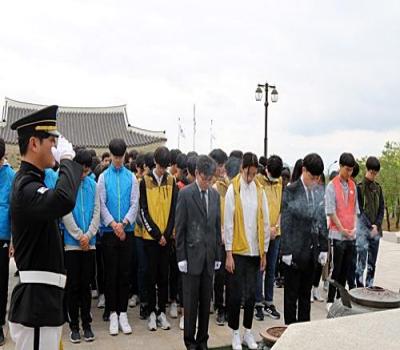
<point>38,245</point>
<point>304,229</point>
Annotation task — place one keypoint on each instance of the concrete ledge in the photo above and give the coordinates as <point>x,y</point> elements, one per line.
<point>377,330</point>
<point>393,237</point>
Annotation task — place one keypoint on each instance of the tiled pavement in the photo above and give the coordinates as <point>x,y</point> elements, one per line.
<point>387,276</point>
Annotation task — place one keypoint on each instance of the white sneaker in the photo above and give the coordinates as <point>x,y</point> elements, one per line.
<point>95,294</point>
<point>316,294</point>
<point>152,323</point>
<point>182,323</point>
<point>102,301</point>
<point>162,321</point>
<point>133,301</point>
<point>236,342</point>
<point>124,324</point>
<point>173,310</point>
<point>328,306</point>
<point>248,340</point>
<point>114,324</point>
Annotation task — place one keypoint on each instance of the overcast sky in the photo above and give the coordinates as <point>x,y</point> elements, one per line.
<point>336,65</point>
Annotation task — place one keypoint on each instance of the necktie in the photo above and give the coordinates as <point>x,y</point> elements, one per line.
<point>203,200</point>
<point>310,199</point>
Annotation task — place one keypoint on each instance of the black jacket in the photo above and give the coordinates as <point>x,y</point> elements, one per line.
<point>304,232</point>
<point>149,224</point>
<point>198,235</point>
<point>38,245</point>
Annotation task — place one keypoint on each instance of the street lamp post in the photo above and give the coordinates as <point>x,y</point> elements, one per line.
<point>274,98</point>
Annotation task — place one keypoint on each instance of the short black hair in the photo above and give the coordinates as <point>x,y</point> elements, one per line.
<point>84,157</point>
<point>232,167</point>
<point>356,170</point>
<point>105,155</point>
<point>23,140</point>
<point>2,148</point>
<point>274,166</point>
<point>347,159</point>
<point>117,147</point>
<point>333,174</point>
<point>92,152</point>
<point>249,160</point>
<point>140,161</point>
<point>314,164</point>
<point>206,165</point>
<point>219,156</point>
<point>236,153</point>
<point>192,154</point>
<point>297,170</point>
<point>162,156</point>
<point>263,161</point>
<point>191,165</point>
<point>181,161</point>
<point>95,162</point>
<point>149,160</point>
<point>174,155</point>
<point>285,172</point>
<point>373,163</point>
<point>131,154</point>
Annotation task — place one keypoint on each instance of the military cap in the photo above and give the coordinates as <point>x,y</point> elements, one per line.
<point>44,120</point>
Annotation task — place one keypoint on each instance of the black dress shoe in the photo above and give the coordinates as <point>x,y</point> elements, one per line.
<point>2,339</point>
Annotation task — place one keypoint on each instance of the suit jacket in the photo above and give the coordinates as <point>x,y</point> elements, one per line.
<point>198,235</point>
<point>304,227</point>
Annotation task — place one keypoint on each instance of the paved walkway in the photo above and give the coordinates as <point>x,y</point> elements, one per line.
<point>387,276</point>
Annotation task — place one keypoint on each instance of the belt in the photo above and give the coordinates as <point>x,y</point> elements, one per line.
<point>43,277</point>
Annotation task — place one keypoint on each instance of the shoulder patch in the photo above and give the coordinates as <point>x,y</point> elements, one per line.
<point>42,190</point>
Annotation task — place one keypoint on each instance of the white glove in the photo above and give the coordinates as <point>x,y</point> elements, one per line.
<point>287,259</point>
<point>182,266</point>
<point>217,265</point>
<point>323,258</point>
<point>64,150</point>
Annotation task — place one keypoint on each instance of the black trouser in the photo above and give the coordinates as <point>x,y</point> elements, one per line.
<point>220,283</point>
<point>317,275</point>
<point>351,274</point>
<point>157,274</point>
<point>197,291</point>
<point>117,267</point>
<point>243,280</point>
<point>79,265</point>
<point>173,274</point>
<point>4,271</point>
<point>298,283</point>
<point>342,261</point>
<point>99,266</point>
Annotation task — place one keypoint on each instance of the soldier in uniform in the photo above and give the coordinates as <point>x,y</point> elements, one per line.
<point>37,302</point>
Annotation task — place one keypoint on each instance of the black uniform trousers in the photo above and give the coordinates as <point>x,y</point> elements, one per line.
<point>342,263</point>
<point>220,282</point>
<point>173,275</point>
<point>79,265</point>
<point>197,291</point>
<point>117,268</point>
<point>99,266</point>
<point>157,274</point>
<point>243,280</point>
<point>4,271</point>
<point>298,284</point>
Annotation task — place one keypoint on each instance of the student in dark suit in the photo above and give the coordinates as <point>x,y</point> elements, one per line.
<point>198,237</point>
<point>304,239</point>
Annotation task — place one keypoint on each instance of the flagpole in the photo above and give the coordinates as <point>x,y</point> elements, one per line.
<point>211,136</point>
<point>194,127</point>
<point>179,132</point>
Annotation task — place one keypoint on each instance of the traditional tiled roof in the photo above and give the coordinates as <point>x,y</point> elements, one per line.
<point>83,126</point>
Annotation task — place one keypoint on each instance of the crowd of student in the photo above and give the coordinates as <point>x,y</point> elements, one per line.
<point>278,228</point>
